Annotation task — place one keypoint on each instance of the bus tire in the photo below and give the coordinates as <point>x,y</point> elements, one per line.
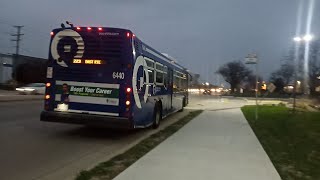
<point>183,105</point>
<point>156,116</point>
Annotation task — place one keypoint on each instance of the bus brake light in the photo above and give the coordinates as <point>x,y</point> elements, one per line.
<point>51,33</point>
<point>47,97</point>
<point>128,90</point>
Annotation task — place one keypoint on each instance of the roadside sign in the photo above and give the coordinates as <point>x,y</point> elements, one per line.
<point>251,59</point>
<point>271,87</point>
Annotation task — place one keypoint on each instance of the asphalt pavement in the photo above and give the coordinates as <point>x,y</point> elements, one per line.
<point>31,149</point>
<point>8,96</point>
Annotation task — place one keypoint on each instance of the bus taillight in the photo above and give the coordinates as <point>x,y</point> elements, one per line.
<point>48,85</point>
<point>128,90</point>
<point>127,103</point>
<point>47,97</point>
<point>128,34</point>
<point>51,33</point>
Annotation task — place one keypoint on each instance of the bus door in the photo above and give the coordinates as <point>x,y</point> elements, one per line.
<point>170,89</point>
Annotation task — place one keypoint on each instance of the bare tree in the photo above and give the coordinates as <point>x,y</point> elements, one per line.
<point>283,76</point>
<point>234,73</point>
<point>314,66</point>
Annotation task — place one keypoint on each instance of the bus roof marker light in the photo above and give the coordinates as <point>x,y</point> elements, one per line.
<point>89,28</point>
<point>100,28</point>
<point>128,34</point>
<point>133,35</point>
<point>78,28</point>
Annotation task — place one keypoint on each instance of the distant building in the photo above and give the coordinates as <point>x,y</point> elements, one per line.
<point>194,79</point>
<point>6,64</point>
<point>9,64</point>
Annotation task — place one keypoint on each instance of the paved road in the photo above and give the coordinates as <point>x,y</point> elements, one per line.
<point>30,149</point>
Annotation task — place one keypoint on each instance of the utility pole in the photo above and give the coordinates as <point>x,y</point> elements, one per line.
<point>17,40</point>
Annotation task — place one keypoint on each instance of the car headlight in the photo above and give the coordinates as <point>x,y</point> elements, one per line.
<point>29,89</point>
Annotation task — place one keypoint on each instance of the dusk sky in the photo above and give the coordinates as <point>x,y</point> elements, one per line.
<point>201,35</point>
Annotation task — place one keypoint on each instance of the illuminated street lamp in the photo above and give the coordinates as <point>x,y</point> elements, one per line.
<point>307,37</point>
<point>297,39</point>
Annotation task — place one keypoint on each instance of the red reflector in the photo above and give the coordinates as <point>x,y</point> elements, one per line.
<point>127,103</point>
<point>100,29</point>
<point>89,28</point>
<point>78,28</point>
<point>47,96</point>
<point>51,33</point>
<point>128,90</point>
<point>128,34</point>
<point>48,84</point>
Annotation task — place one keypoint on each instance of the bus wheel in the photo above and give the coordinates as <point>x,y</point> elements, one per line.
<point>183,105</point>
<point>156,117</point>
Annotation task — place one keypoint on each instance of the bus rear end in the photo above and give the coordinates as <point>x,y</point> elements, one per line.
<point>89,77</point>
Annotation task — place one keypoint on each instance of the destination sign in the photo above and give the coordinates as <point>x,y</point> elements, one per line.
<point>88,61</point>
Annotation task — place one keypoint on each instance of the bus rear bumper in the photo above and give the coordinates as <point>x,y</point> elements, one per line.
<point>87,119</point>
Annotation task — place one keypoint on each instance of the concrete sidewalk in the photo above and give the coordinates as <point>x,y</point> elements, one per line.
<point>215,145</point>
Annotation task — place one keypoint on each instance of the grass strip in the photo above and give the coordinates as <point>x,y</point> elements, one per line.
<point>111,168</point>
<point>292,140</point>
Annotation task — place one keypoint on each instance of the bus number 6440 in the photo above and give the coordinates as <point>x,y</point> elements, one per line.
<point>118,75</point>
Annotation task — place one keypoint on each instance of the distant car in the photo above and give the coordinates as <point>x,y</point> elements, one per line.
<point>207,92</point>
<point>33,88</point>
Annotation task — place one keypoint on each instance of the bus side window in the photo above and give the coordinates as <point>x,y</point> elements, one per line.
<point>151,72</point>
<point>151,76</point>
<point>159,74</point>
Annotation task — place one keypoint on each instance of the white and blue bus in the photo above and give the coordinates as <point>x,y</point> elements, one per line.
<point>108,77</point>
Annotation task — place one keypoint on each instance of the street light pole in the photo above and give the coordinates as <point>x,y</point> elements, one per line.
<point>253,59</point>
<point>257,79</point>
<point>306,38</point>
